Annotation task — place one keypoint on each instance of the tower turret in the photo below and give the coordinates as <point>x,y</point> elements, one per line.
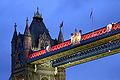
<point>38,31</point>
<point>14,40</point>
<point>60,37</point>
<point>13,46</point>
<point>27,37</point>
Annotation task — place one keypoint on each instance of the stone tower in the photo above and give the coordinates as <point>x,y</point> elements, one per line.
<point>35,37</point>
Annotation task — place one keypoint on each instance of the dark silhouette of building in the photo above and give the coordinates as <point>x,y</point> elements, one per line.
<point>35,37</point>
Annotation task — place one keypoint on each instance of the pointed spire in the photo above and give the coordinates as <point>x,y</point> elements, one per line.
<point>61,25</point>
<point>60,37</point>
<point>38,9</point>
<point>15,32</point>
<point>37,14</point>
<point>26,21</point>
<point>15,27</point>
<point>27,31</point>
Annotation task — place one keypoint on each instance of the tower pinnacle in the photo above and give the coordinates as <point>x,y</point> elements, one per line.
<point>15,32</point>
<point>26,21</point>
<point>27,37</point>
<point>60,37</point>
<point>27,32</point>
<point>15,26</point>
<point>61,25</point>
<point>37,14</point>
<point>37,9</point>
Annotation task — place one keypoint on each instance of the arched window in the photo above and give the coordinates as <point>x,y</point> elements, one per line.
<point>42,46</point>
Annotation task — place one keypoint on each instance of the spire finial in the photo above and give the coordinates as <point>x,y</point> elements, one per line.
<point>15,32</point>
<point>37,14</point>
<point>15,25</point>
<point>61,25</point>
<point>37,8</point>
<point>27,32</point>
<point>26,21</point>
<point>60,36</point>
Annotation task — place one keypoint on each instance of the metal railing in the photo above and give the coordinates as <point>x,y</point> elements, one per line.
<point>108,47</point>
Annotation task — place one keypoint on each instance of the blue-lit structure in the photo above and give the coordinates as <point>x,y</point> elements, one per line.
<point>36,56</point>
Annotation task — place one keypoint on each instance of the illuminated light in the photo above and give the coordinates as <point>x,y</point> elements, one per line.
<point>48,48</point>
<point>44,51</point>
<point>84,37</point>
<point>104,30</point>
<point>59,46</point>
<point>65,44</point>
<point>35,68</point>
<point>54,48</point>
<point>68,43</point>
<point>99,32</point>
<point>109,51</point>
<point>30,56</point>
<point>119,25</point>
<point>94,34</point>
<point>109,41</point>
<point>109,27</point>
<point>56,71</point>
<point>37,54</point>
<point>116,26</point>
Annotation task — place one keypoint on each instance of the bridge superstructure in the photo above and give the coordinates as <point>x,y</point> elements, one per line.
<point>36,56</point>
<point>93,45</point>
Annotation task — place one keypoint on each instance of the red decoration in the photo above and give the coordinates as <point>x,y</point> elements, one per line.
<point>68,42</point>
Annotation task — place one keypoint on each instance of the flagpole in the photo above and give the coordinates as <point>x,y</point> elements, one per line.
<point>91,19</point>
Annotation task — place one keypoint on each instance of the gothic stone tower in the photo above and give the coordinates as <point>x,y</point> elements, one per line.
<point>35,37</point>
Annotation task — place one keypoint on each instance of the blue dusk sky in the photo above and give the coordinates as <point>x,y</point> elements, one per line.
<point>74,14</point>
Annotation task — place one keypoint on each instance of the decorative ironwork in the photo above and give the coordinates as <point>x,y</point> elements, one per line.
<point>91,52</point>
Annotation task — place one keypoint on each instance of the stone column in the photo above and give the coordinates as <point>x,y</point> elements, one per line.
<point>61,75</point>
